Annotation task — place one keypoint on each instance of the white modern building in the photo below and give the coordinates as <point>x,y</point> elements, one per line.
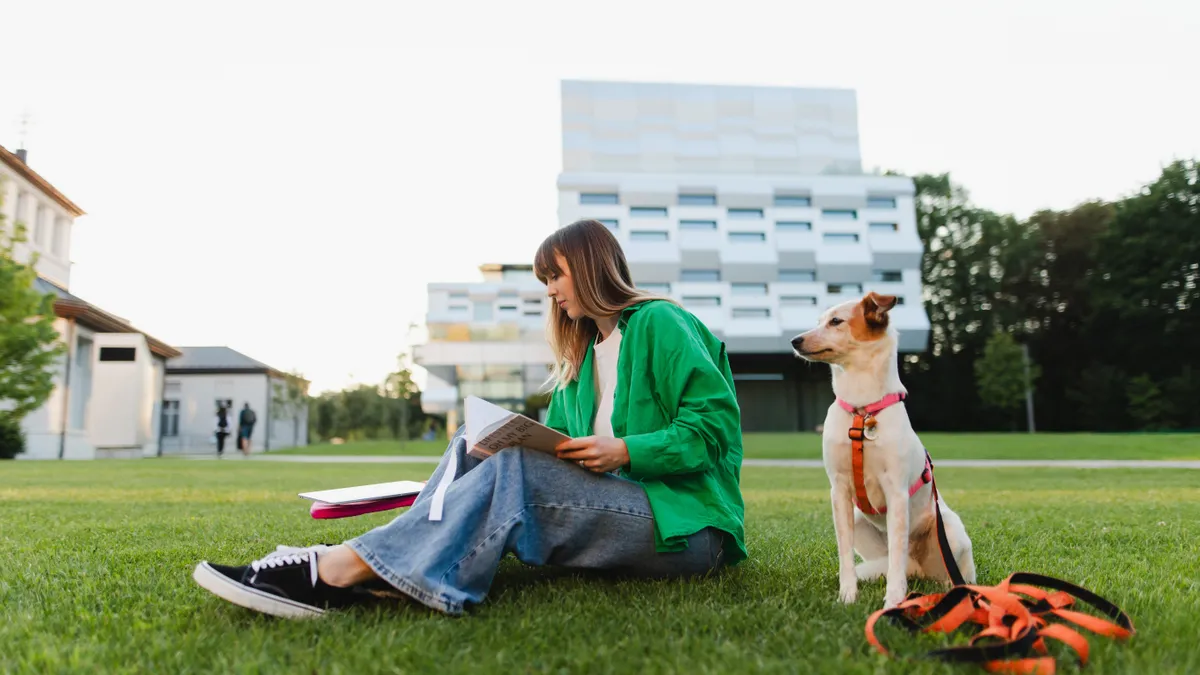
<point>201,379</point>
<point>108,386</point>
<point>486,339</point>
<point>750,206</point>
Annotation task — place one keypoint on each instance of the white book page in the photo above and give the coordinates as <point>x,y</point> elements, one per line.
<point>491,429</point>
<point>362,493</point>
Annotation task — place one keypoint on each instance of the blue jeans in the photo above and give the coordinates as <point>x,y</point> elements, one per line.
<point>544,510</point>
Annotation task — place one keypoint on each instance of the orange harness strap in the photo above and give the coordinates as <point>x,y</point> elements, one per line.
<point>1013,621</point>
<point>860,431</point>
<point>857,435</point>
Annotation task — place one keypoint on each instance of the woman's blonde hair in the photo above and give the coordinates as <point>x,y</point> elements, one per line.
<point>603,287</point>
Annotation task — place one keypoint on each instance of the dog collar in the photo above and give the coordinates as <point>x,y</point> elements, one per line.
<point>871,409</point>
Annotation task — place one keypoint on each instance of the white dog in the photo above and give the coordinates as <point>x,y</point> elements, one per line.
<point>855,340</point>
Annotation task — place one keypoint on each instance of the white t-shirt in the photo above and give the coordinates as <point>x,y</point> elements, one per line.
<point>604,368</point>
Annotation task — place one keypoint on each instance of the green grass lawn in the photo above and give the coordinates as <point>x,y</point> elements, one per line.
<point>941,446</point>
<point>94,577</point>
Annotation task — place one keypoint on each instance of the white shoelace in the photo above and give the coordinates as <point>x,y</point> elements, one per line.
<point>291,555</point>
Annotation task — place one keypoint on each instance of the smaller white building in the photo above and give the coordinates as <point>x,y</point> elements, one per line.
<point>107,388</point>
<point>201,379</point>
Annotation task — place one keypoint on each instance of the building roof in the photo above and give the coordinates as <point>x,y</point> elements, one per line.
<point>22,169</point>
<point>211,360</point>
<point>70,306</point>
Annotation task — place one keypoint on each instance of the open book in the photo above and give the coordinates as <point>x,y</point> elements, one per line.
<point>491,429</point>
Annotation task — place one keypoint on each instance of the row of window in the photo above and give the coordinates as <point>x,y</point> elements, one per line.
<point>785,302</point>
<point>47,231</point>
<point>709,199</point>
<point>755,288</point>
<point>784,226</point>
<point>752,237</point>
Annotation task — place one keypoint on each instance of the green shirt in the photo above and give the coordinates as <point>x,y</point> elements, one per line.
<point>676,408</point>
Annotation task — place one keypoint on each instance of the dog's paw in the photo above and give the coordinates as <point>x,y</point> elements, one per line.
<point>848,594</point>
<point>893,597</point>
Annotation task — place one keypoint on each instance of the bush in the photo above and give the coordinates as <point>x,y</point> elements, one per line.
<point>12,439</point>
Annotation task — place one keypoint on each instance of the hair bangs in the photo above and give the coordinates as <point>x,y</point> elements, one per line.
<point>545,262</point>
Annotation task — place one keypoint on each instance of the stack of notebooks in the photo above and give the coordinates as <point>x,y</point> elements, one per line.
<point>490,429</point>
<point>360,499</point>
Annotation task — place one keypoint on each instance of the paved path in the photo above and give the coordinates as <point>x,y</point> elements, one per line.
<point>793,463</point>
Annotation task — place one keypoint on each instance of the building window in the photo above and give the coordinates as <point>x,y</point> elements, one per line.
<point>747,237</point>
<point>758,377</point>
<point>508,308</point>
<point>493,382</point>
<point>751,313</point>
<point>797,275</point>
<point>483,311</point>
<point>170,418</point>
<point>844,289</point>
<point>887,275</point>
<point>532,312</point>
<point>839,214</point>
<point>700,275</point>
<point>881,202</point>
<point>649,235</point>
<point>118,354</point>
<point>610,223</point>
<point>597,198</point>
<point>793,226</point>
<point>745,214</point>
<point>702,300</point>
<point>458,295</point>
<point>840,238</point>
<point>648,211</point>
<point>883,227</point>
<point>792,200</point>
<point>458,308</point>
<point>748,289</point>
<point>533,301</point>
<point>899,299</point>
<point>57,234</point>
<point>517,274</point>
<point>797,301</point>
<point>660,289</point>
<point>697,225</point>
<point>697,200</point>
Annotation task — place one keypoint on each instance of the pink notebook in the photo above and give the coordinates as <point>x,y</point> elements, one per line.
<point>360,499</point>
<point>323,510</point>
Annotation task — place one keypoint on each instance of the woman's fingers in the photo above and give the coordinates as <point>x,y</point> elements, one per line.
<point>583,453</point>
<point>576,443</point>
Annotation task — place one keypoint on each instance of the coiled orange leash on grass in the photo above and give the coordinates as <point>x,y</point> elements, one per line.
<point>1014,618</point>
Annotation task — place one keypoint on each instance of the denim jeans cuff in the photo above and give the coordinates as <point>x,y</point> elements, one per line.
<point>430,598</point>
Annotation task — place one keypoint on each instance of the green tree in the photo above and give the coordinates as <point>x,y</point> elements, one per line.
<point>29,344</point>
<point>1000,373</point>
<point>1147,404</point>
<point>290,399</point>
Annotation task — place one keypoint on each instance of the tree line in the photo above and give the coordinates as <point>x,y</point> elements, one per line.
<point>1103,297</point>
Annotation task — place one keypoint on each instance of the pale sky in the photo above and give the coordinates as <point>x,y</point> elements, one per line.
<point>285,177</point>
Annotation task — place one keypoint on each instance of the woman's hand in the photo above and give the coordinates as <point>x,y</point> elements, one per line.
<point>600,454</point>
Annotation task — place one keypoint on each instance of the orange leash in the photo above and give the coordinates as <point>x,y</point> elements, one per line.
<point>1013,619</point>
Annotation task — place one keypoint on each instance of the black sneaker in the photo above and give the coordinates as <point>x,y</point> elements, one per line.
<point>284,584</point>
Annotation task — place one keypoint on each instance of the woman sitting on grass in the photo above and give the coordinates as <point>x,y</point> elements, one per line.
<point>650,485</point>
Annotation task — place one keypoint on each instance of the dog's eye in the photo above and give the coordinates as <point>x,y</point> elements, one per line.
<point>835,321</point>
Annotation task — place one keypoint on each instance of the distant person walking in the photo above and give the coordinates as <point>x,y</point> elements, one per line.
<point>224,428</point>
<point>246,420</point>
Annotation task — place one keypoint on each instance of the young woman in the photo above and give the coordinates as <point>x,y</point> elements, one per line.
<point>648,485</point>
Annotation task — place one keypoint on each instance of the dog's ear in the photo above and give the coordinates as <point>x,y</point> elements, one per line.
<point>876,307</point>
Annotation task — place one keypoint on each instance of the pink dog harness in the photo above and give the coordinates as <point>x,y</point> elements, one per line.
<point>863,429</point>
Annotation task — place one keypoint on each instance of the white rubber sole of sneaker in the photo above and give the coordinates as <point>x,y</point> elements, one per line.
<point>227,589</point>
